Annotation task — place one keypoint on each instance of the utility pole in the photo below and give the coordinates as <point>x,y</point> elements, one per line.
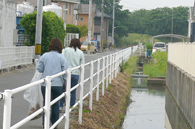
<point>38,34</point>
<point>113,23</point>
<point>101,28</point>
<point>45,3</point>
<point>172,25</point>
<point>89,26</point>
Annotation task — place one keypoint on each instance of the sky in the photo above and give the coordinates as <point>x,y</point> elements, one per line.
<point>133,5</point>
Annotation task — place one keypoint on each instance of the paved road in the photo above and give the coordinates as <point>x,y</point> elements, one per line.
<point>19,105</point>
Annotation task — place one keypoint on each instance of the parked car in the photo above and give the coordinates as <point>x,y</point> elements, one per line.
<point>84,46</point>
<point>159,46</point>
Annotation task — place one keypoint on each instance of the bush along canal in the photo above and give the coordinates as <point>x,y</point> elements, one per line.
<point>152,106</point>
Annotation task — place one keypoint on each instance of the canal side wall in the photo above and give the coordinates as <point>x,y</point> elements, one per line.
<point>182,87</point>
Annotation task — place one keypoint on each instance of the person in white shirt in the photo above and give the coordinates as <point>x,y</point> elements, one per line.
<point>75,57</point>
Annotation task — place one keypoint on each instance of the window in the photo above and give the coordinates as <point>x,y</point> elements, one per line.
<point>66,8</point>
<point>159,45</point>
<point>70,9</point>
<point>80,19</point>
<point>97,21</point>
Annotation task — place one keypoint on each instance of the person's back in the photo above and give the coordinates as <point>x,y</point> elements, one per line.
<point>52,64</point>
<point>74,58</point>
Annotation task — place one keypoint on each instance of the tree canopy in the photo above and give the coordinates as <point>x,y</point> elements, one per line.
<point>152,22</point>
<point>52,27</point>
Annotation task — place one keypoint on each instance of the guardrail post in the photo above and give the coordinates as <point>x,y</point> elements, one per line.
<point>91,86</point>
<point>103,74</point>
<point>47,102</point>
<point>7,109</point>
<point>110,68</point>
<point>98,78</point>
<point>116,65</point>
<point>81,94</point>
<point>107,71</point>
<point>68,98</point>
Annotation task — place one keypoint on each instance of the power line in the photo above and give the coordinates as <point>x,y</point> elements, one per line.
<point>134,4</point>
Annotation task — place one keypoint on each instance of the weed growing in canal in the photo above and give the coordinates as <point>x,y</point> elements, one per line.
<point>157,66</point>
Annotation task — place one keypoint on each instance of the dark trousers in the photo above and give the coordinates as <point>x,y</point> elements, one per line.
<point>74,81</point>
<point>55,92</point>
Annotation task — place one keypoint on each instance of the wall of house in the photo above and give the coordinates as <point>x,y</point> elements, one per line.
<point>105,32</point>
<point>85,21</point>
<point>7,22</point>
<point>70,17</point>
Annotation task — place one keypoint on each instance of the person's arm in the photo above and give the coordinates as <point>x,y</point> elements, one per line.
<point>82,61</point>
<point>40,65</point>
<point>64,66</point>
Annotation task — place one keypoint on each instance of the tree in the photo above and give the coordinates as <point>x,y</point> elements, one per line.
<point>121,17</point>
<point>52,27</point>
<point>84,30</point>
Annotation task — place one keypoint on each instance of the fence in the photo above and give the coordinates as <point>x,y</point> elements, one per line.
<point>14,56</point>
<point>68,38</point>
<point>180,78</point>
<point>22,39</point>
<point>182,55</point>
<point>109,69</point>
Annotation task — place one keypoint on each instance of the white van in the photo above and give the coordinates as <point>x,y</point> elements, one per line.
<point>159,46</point>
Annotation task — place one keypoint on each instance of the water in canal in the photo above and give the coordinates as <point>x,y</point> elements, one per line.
<point>152,107</point>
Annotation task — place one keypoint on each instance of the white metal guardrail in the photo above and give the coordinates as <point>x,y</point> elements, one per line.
<point>14,56</point>
<point>110,68</point>
<point>182,55</point>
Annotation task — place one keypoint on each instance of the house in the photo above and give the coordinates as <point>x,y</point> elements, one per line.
<point>83,18</point>
<point>97,26</point>
<point>83,13</point>
<point>69,8</point>
<point>8,32</point>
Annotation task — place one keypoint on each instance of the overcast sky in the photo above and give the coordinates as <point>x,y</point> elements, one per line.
<point>133,5</point>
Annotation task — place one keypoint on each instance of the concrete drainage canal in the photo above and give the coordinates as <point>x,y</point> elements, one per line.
<point>152,106</point>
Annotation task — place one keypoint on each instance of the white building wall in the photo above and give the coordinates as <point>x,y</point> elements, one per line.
<point>7,22</point>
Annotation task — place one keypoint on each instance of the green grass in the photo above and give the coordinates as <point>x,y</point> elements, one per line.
<point>157,66</point>
<point>86,111</point>
<point>131,65</point>
<point>133,39</point>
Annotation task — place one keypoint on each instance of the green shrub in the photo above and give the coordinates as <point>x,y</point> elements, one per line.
<point>157,66</point>
<point>52,27</point>
<point>73,29</point>
<point>149,47</point>
<point>84,30</point>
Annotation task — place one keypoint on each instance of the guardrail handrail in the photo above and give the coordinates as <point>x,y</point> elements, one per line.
<point>110,68</point>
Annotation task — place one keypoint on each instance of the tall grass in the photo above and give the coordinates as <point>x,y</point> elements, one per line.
<point>131,65</point>
<point>133,39</point>
<point>157,66</point>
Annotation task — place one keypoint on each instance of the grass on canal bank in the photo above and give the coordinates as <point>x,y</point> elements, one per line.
<point>157,65</point>
<point>110,110</point>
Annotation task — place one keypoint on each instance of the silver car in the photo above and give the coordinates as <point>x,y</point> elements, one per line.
<point>159,46</point>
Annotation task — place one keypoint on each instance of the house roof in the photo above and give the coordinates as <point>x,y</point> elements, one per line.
<point>99,14</point>
<point>84,9</point>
